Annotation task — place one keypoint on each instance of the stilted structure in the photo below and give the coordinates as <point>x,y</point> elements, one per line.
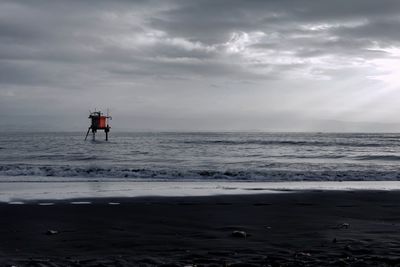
<point>98,122</point>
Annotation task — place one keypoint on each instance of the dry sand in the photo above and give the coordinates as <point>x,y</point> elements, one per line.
<point>315,228</point>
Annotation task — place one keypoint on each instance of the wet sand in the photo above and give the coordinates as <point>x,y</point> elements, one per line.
<point>313,228</point>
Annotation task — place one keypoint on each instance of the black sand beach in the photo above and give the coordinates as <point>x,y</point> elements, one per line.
<point>331,228</point>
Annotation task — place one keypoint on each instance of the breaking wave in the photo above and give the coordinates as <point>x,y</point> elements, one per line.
<point>169,174</point>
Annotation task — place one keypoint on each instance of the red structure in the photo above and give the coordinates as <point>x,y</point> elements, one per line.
<point>98,122</point>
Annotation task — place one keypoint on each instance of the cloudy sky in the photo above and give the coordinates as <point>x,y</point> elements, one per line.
<point>267,65</point>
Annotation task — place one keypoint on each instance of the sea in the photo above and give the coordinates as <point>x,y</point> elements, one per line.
<point>225,156</point>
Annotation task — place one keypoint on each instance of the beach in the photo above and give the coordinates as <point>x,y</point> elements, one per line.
<point>290,228</point>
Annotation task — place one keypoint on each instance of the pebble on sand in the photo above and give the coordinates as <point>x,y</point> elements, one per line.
<point>51,232</point>
<point>239,234</point>
<point>344,226</point>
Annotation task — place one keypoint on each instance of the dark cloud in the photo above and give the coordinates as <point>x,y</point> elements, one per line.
<point>381,30</point>
<point>183,32</point>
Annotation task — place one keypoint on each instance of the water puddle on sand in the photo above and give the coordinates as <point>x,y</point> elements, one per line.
<point>16,203</point>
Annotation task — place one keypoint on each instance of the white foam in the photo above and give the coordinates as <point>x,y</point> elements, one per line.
<point>297,172</point>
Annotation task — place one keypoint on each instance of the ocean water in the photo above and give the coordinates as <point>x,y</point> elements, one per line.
<point>200,156</point>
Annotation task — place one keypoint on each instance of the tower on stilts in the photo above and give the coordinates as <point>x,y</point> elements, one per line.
<point>99,121</point>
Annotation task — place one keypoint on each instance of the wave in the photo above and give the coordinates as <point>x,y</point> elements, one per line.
<point>176,174</point>
<point>283,142</point>
<point>379,157</point>
<point>66,157</point>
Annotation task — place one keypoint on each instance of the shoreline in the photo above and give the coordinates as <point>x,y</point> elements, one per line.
<point>301,228</point>
<point>28,191</point>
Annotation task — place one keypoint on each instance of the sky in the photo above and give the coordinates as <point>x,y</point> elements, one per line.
<point>203,65</point>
